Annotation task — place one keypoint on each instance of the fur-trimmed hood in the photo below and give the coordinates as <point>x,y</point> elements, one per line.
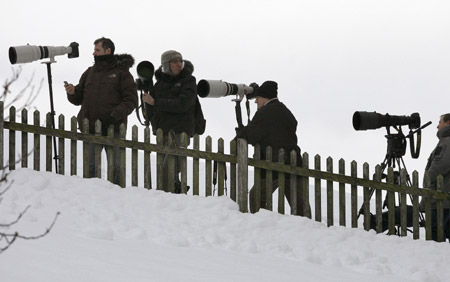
<point>124,60</point>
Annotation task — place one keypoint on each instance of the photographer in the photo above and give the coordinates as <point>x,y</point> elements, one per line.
<point>173,99</point>
<point>273,125</point>
<point>106,92</point>
<point>439,164</point>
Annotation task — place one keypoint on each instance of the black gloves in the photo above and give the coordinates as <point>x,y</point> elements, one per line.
<point>106,122</point>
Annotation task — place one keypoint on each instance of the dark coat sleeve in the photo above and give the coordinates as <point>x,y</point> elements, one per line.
<point>128,92</point>
<point>256,130</point>
<point>77,97</point>
<point>182,102</point>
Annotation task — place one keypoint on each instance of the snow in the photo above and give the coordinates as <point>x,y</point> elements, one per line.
<point>106,233</point>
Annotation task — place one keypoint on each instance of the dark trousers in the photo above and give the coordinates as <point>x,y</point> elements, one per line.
<point>434,224</point>
<point>116,159</point>
<point>165,165</point>
<point>298,202</point>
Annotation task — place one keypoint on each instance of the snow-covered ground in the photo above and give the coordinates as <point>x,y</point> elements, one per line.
<point>106,233</point>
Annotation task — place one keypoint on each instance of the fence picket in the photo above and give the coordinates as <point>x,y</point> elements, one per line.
<point>317,191</point>
<point>269,180</point>
<point>12,140</point>
<point>403,212</point>
<point>196,167</point>
<point>48,144</point>
<point>281,183</point>
<point>354,195</point>
<point>61,147</point>
<point>415,203</point>
<point>36,143</point>
<point>73,147</point>
<point>183,164</point>
<point>342,194</point>
<point>25,152</point>
<point>439,211</point>
<point>208,168</point>
<point>366,197</point>
<point>306,210</point>
<point>220,168</point>
<point>330,208</point>
<point>233,175</point>
<point>293,185</point>
<point>378,201</point>
<point>147,161</point>
<point>134,157</point>
<point>391,203</point>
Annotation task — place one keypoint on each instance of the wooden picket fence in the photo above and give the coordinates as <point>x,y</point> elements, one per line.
<point>237,162</point>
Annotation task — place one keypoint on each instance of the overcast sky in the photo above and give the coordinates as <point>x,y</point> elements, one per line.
<point>329,57</point>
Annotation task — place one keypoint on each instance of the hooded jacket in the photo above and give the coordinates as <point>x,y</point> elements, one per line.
<point>175,98</point>
<point>439,164</point>
<point>106,89</point>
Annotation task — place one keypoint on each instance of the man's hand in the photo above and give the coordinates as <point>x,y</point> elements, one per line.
<point>147,98</point>
<point>70,89</point>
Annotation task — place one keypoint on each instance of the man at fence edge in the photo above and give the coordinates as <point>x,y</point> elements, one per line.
<point>273,125</point>
<point>106,92</point>
<point>439,164</point>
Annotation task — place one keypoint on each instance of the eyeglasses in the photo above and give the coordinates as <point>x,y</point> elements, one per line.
<point>176,61</point>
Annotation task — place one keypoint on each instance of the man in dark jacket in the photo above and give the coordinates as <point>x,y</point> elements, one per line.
<point>273,125</point>
<point>439,164</point>
<point>173,99</point>
<point>106,92</point>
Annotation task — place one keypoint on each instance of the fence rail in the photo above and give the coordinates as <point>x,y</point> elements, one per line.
<point>237,163</point>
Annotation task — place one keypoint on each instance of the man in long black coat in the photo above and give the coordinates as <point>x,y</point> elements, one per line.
<point>274,125</point>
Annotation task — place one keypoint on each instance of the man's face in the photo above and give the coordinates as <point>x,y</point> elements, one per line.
<point>176,65</point>
<point>442,123</point>
<point>260,101</point>
<point>99,51</point>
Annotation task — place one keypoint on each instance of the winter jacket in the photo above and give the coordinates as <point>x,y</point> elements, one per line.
<point>106,89</point>
<point>273,125</point>
<point>439,164</point>
<point>174,101</point>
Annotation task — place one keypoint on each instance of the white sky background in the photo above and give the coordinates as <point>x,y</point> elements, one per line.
<point>330,58</point>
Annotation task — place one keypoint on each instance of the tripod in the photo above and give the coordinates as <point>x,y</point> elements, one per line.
<point>52,109</point>
<point>396,148</point>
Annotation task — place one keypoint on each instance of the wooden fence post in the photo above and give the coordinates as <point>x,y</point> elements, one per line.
<point>221,167</point>
<point>378,201</point>
<point>281,183</point>
<point>293,185</point>
<point>86,157</point>
<point>269,179</point>
<point>318,191</point>
<point>342,194</point>
<point>183,164</point>
<point>36,143</point>
<point>354,194</point>
<point>242,159</point>
<point>427,184</point>
<point>233,175</point>
<point>147,161</point>
<point>366,197</point>
<point>403,211</point>
<point>305,187</point>
<point>12,140</point>
<point>439,211</point>
<point>160,161</point>
<point>208,168</point>
<point>122,156</point>
<point>48,145</point>
<point>61,147</point>
<point>391,203</point>
<point>73,147</point>
<point>415,203</point>
<point>134,157</point>
<point>98,151</point>
<point>330,212</point>
<point>25,152</point>
<point>196,168</point>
